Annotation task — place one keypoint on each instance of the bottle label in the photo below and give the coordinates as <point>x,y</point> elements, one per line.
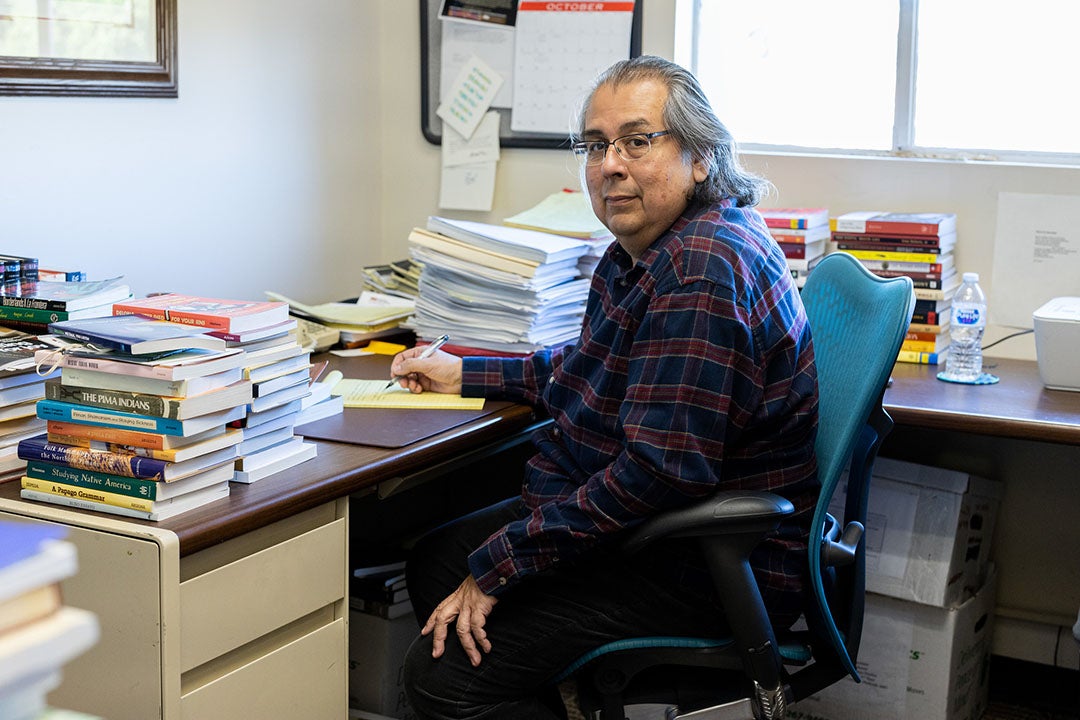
<point>967,316</point>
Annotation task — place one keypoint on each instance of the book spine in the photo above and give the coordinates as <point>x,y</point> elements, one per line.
<point>83,458</point>
<point>926,317</point>
<point>80,493</point>
<point>915,276</point>
<point>927,294</point>
<point>119,400</point>
<point>786,223</point>
<point>921,335</point>
<point>101,417</point>
<point>76,502</point>
<point>34,303</point>
<point>57,429</point>
<point>90,339</point>
<point>21,313</point>
<point>921,346</point>
<point>909,241</point>
<point>884,227</point>
<point>918,357</point>
<point>118,448</point>
<point>929,257</point>
<point>118,484</point>
<point>903,267</point>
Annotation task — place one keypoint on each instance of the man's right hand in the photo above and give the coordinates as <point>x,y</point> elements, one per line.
<point>439,373</point>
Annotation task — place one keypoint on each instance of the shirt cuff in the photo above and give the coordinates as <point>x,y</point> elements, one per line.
<point>480,376</point>
<point>492,565</point>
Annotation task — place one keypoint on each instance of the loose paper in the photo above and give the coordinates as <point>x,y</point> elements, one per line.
<point>468,187</point>
<point>483,146</point>
<point>470,96</point>
<point>375,394</point>
<point>1036,254</point>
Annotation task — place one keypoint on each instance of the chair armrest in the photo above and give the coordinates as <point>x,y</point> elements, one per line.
<point>727,512</point>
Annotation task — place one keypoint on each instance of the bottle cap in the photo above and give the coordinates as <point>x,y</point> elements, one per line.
<point>971,277</point>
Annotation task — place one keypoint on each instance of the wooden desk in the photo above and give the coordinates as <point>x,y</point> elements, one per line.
<point>1029,438</point>
<point>237,609</point>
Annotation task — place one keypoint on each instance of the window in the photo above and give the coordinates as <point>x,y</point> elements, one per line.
<point>956,78</point>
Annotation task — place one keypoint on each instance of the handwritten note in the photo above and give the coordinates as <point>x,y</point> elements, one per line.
<point>470,96</point>
<point>375,394</point>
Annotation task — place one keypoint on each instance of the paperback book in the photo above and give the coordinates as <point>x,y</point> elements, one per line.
<point>101,501</point>
<point>795,218</point>
<point>67,296</point>
<point>873,222</point>
<point>120,463</point>
<point>174,408</point>
<point>187,449</point>
<point>39,475</point>
<point>227,316</point>
<point>182,365</point>
<point>135,335</point>
<point>55,410</point>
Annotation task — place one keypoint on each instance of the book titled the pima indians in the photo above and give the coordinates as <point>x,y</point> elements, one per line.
<point>228,316</point>
<point>67,296</point>
<point>135,335</point>
<point>874,221</point>
<point>175,408</point>
<point>795,218</point>
<point>126,464</point>
<point>55,410</point>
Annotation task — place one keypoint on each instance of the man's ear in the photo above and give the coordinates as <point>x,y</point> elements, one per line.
<point>701,170</point>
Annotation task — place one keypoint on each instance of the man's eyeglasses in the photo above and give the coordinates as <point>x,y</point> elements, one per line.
<point>629,147</point>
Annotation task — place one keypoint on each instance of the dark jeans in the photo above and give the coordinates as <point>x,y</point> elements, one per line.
<point>537,628</point>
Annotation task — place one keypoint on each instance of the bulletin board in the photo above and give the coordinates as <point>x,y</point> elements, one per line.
<point>431,77</point>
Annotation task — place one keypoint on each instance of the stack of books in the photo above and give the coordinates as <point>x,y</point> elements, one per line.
<point>495,288</point>
<point>276,367</point>
<point>38,633</point>
<point>919,246</point>
<point>400,279</point>
<point>21,386</point>
<point>136,400</point>
<point>380,590</point>
<point>802,233</point>
<point>370,316</point>
<point>16,270</point>
<point>31,305</point>
<point>568,213</point>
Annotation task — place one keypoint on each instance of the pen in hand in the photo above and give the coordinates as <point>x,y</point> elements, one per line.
<point>426,353</point>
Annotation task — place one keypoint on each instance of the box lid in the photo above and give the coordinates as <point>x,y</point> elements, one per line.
<point>1060,309</point>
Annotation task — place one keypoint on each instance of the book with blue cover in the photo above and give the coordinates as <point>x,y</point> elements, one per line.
<point>136,335</point>
<point>57,410</point>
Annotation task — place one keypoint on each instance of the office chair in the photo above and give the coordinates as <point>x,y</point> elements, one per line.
<point>858,321</point>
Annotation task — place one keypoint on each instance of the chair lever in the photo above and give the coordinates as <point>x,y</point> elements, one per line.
<point>842,551</point>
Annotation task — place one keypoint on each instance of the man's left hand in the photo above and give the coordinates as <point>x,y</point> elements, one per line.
<point>471,607</point>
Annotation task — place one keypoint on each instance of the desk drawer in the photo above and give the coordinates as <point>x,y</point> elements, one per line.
<point>294,681</point>
<point>231,605</point>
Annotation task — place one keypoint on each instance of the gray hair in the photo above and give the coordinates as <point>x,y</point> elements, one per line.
<point>690,120</point>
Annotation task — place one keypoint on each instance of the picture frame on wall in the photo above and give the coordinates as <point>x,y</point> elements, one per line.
<point>78,48</point>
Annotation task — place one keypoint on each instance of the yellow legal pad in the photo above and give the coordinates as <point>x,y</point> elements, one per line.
<point>375,394</point>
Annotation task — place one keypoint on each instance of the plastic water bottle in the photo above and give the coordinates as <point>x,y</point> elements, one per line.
<point>963,361</point>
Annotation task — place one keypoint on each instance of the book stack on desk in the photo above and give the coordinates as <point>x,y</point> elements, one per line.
<point>30,305</point>
<point>802,233</point>
<point>140,395</point>
<point>21,386</point>
<point>496,288</point>
<point>276,366</point>
<point>916,245</point>
<point>38,633</point>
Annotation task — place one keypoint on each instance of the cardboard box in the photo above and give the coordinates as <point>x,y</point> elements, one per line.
<point>377,650</point>
<point>917,662</point>
<point>928,531</point>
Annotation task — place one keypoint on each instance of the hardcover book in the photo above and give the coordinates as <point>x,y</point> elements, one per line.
<point>204,444</point>
<point>136,335</point>
<point>67,296</point>
<point>227,316</point>
<point>178,366</point>
<point>54,410</point>
<point>46,473</point>
<point>100,501</point>
<point>175,408</point>
<point>73,433</point>
<point>150,386</point>
<point>39,449</point>
<point>12,315</point>
<point>873,222</point>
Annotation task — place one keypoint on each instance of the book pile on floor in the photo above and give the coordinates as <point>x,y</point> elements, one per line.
<point>920,246</point>
<point>802,234</point>
<point>38,633</point>
<point>276,367</point>
<point>496,288</point>
<point>30,305</point>
<point>21,386</point>
<point>369,317</point>
<point>568,213</point>
<point>380,590</point>
<point>137,421</point>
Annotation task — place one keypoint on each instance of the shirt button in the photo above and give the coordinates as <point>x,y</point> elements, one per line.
<point>502,581</point>
<point>622,283</point>
<point>556,432</point>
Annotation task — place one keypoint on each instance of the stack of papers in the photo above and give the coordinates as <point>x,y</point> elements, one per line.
<point>569,213</point>
<point>498,288</point>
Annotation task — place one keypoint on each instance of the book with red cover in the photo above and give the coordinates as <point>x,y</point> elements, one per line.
<point>872,222</point>
<point>795,218</point>
<point>229,316</point>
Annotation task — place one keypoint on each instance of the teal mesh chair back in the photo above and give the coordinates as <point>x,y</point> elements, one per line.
<point>858,321</point>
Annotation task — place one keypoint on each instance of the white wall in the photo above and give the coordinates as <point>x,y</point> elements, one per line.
<point>262,175</point>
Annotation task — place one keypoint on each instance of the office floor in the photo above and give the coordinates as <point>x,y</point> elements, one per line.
<point>1018,691</point>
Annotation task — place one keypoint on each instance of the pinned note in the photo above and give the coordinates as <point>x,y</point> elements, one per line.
<point>470,96</point>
